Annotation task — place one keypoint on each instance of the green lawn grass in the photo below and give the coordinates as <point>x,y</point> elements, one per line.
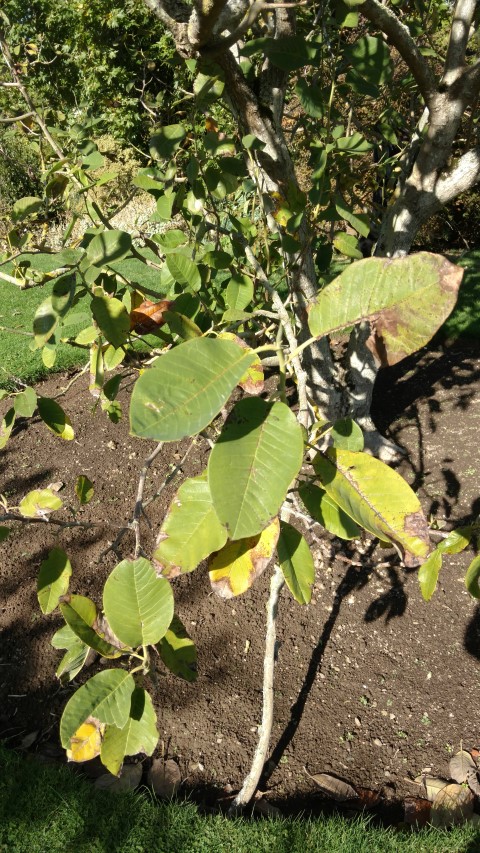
<point>44,809</point>
<point>17,309</point>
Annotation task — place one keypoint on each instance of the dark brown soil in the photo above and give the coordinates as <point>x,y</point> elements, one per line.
<point>372,683</point>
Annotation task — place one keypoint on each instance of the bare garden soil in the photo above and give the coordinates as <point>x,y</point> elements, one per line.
<point>372,683</point>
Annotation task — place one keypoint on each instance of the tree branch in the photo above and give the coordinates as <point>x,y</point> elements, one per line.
<point>174,14</point>
<point>400,37</point>
<point>459,36</point>
<point>464,174</point>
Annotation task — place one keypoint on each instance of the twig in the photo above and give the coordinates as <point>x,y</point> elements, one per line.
<point>14,516</point>
<point>251,781</point>
<point>172,475</point>
<point>137,512</point>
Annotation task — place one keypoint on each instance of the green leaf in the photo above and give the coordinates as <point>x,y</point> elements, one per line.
<point>354,145</point>
<point>178,651</point>
<point>165,207</point>
<point>311,98</point>
<point>55,418</point>
<point>377,498</point>
<point>53,579</point>
<point>6,427</point>
<point>72,662</point>
<point>63,293</point>
<point>347,244</point>
<point>186,388</point>
<point>139,734</point>
<point>257,455</point>
<point>138,604</point>
<point>64,638</point>
<point>428,574</point>
<point>184,270</point>
<point>347,434</point>
<point>191,530</point>
<point>39,503</point>
<point>239,292</point>
<point>396,297</point>
<point>108,246</point>
<point>112,318</point>
<point>164,143</point>
<point>324,510</point>
<point>84,489</point>
<point>49,355</point>
<point>358,221</point>
<point>25,403</point>
<point>106,697</point>
<point>370,57</point>
<point>80,613</point>
<point>181,325</point>
<point>45,322</point>
<point>290,52</point>
<point>4,532</point>
<point>457,540</point>
<point>27,206</point>
<point>296,562</point>
<point>472,578</point>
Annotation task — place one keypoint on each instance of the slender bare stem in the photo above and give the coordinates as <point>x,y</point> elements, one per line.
<point>251,781</point>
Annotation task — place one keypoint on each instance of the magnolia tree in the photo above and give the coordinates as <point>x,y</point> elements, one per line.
<point>233,276</point>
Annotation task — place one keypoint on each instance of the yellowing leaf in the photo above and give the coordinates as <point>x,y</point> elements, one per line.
<point>86,743</point>
<point>39,503</point>
<point>238,564</point>
<point>377,498</point>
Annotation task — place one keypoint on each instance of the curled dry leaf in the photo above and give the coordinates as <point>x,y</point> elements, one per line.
<point>452,806</point>
<point>460,765</point>
<point>431,785</point>
<point>335,788</point>
<point>165,778</point>
<point>148,316</point>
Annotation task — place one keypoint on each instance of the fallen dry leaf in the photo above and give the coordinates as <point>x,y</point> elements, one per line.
<point>337,789</point>
<point>164,777</point>
<point>460,765</point>
<point>452,806</point>
<point>128,781</point>
<point>431,785</point>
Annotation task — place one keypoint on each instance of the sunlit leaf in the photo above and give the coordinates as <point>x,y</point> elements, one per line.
<point>53,579</point>
<point>377,498</point>
<point>257,455</point>
<point>428,574</point>
<point>191,530</point>
<point>138,604</point>
<point>139,734</point>
<point>296,562</point>
<point>472,578</point>
<point>39,503</point>
<point>233,570</point>
<point>395,296</point>
<point>25,403</point>
<point>6,427</point>
<point>86,743</point>
<point>184,270</point>
<point>80,613</point>
<point>186,388</point>
<point>112,319</point>
<point>106,696</point>
<point>148,316</point>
